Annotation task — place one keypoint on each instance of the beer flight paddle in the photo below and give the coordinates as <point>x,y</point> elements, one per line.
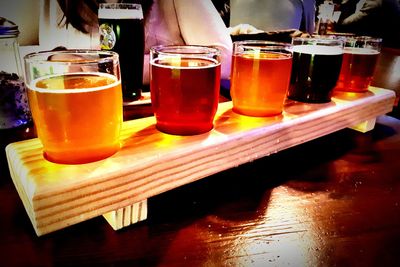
<point>109,166</point>
<point>151,162</point>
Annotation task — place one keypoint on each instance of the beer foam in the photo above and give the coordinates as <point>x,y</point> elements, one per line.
<point>32,86</point>
<point>270,55</point>
<point>107,13</point>
<point>360,51</point>
<point>318,50</point>
<point>175,62</point>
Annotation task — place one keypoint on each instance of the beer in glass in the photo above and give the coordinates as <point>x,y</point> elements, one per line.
<point>184,86</point>
<point>122,31</point>
<point>360,58</point>
<point>260,77</point>
<point>315,70</point>
<point>76,102</point>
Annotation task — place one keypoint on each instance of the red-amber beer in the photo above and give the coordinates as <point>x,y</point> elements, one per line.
<point>357,69</point>
<point>184,84</point>
<point>77,116</point>
<point>260,78</point>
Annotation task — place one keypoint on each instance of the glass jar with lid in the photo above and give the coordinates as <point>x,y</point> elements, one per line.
<point>14,108</point>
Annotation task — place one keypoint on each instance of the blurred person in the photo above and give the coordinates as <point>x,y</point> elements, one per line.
<point>224,9</point>
<point>378,18</point>
<point>74,24</point>
<point>273,15</point>
<point>70,24</point>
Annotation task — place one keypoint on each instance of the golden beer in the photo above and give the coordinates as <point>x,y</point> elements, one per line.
<point>78,116</point>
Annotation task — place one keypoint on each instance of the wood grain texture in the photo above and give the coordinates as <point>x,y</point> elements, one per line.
<point>126,216</point>
<point>150,162</point>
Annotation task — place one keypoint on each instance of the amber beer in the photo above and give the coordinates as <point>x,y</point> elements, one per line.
<point>260,77</point>
<point>359,61</point>
<point>184,88</point>
<point>357,69</point>
<point>122,31</point>
<point>315,72</point>
<point>77,116</point>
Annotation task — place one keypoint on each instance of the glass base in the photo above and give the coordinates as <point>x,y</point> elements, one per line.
<point>181,129</point>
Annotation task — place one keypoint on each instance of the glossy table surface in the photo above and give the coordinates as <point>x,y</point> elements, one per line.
<point>334,201</point>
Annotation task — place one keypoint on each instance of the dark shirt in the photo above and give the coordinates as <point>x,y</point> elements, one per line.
<point>378,18</point>
<point>224,9</point>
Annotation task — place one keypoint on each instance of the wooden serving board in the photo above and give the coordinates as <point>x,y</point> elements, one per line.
<point>150,162</point>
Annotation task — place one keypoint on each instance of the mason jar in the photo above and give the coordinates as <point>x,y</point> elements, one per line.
<point>14,108</point>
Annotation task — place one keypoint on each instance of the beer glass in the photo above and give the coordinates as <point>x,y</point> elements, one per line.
<point>122,31</point>
<point>315,70</point>
<point>76,101</point>
<point>260,77</point>
<point>184,86</point>
<point>360,58</point>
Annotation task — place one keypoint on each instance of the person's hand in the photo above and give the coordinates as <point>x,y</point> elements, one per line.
<point>243,29</point>
<point>298,33</point>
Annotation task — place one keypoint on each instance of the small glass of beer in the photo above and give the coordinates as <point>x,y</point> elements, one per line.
<point>360,58</point>
<point>76,101</point>
<point>121,29</point>
<point>184,86</point>
<point>260,77</point>
<point>315,70</point>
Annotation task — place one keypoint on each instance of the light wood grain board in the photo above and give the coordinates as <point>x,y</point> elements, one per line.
<point>150,162</point>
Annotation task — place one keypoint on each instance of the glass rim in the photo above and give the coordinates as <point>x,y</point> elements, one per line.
<point>363,38</point>
<point>262,45</point>
<point>315,38</point>
<point>59,91</point>
<point>262,42</point>
<point>118,5</point>
<point>366,38</point>
<point>185,50</point>
<point>43,56</point>
<point>320,40</point>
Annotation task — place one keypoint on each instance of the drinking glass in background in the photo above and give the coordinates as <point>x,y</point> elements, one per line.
<point>184,86</point>
<point>14,108</point>
<point>260,77</point>
<point>316,67</point>
<point>122,31</point>
<point>360,58</point>
<point>76,103</point>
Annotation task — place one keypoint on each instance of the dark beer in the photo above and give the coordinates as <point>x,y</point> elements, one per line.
<point>315,71</point>
<point>122,31</point>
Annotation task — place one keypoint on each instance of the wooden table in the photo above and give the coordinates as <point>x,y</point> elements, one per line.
<point>334,201</point>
